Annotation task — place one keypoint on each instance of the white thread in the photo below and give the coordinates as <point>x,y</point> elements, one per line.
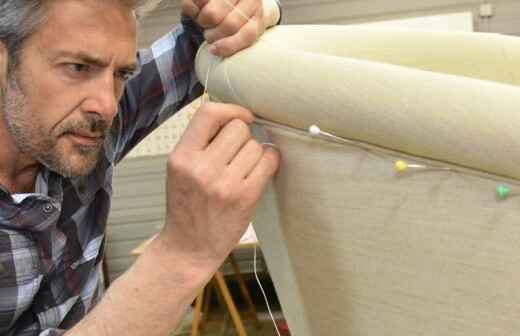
<point>315,131</point>
<point>236,97</point>
<point>263,293</point>
<point>389,153</point>
<point>206,84</point>
<point>416,166</point>
<point>205,93</point>
<point>339,139</point>
<point>228,80</point>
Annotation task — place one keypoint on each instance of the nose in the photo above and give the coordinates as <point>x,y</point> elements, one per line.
<point>102,98</point>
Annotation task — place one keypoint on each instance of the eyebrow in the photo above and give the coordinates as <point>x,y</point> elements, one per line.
<point>92,60</point>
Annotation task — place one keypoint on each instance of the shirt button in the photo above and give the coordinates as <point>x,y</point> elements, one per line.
<point>75,265</point>
<point>48,208</point>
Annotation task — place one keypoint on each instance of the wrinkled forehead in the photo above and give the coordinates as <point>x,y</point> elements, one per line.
<point>107,28</point>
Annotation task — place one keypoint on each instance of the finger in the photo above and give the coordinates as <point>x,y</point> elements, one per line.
<point>246,160</point>
<point>215,12</point>
<point>208,120</point>
<point>241,14</point>
<point>271,13</point>
<point>190,9</point>
<point>201,3</point>
<point>245,38</point>
<point>228,142</point>
<point>263,172</point>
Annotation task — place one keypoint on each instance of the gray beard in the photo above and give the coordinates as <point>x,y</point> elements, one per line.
<point>28,138</point>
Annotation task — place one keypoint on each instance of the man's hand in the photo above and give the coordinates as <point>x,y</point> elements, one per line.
<point>216,175</point>
<point>231,25</point>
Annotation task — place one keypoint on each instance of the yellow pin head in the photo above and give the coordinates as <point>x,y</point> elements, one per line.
<point>401,166</point>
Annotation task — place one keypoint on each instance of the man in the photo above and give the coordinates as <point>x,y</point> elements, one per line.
<point>68,117</point>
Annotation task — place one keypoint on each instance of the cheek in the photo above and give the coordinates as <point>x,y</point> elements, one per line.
<point>48,98</point>
<point>32,121</point>
<point>46,115</point>
<point>34,117</point>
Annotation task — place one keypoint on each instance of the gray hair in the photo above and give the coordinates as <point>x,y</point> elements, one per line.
<point>21,18</point>
<point>18,20</point>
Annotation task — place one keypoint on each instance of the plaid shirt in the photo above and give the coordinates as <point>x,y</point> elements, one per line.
<point>51,242</point>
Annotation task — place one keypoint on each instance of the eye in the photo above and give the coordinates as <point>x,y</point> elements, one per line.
<point>124,75</point>
<point>78,67</point>
<point>77,70</point>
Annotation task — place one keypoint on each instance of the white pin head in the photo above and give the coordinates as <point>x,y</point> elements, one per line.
<point>314,130</point>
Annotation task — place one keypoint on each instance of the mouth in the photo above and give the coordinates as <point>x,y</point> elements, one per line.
<point>82,139</point>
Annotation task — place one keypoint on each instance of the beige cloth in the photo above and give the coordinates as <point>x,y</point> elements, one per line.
<point>353,247</point>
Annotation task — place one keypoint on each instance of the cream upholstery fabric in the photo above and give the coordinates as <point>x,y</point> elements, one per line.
<point>353,247</point>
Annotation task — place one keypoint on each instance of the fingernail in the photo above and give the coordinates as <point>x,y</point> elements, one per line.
<point>213,49</point>
<point>270,144</point>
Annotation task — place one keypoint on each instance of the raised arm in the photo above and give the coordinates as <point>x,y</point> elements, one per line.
<point>167,80</point>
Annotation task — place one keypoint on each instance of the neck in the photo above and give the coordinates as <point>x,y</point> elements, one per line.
<point>18,171</point>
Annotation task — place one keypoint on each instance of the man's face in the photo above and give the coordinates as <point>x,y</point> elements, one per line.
<point>60,101</point>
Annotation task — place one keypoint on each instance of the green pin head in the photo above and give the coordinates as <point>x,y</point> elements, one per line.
<point>503,191</point>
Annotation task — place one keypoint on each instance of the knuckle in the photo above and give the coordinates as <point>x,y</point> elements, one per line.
<point>210,111</point>
<point>222,192</point>
<point>186,168</point>
<point>202,180</point>
<point>200,3</point>
<point>186,5</point>
<point>210,16</point>
<point>232,25</point>
<point>240,127</point>
<point>176,162</point>
<point>201,173</point>
<point>190,9</point>
<point>210,36</point>
<point>226,50</point>
<point>273,159</point>
<point>255,146</point>
<point>272,155</point>
<point>250,34</point>
<point>201,177</point>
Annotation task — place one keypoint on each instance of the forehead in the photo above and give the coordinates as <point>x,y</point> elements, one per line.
<point>104,28</point>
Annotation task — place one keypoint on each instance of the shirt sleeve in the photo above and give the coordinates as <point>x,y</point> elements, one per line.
<point>165,83</point>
